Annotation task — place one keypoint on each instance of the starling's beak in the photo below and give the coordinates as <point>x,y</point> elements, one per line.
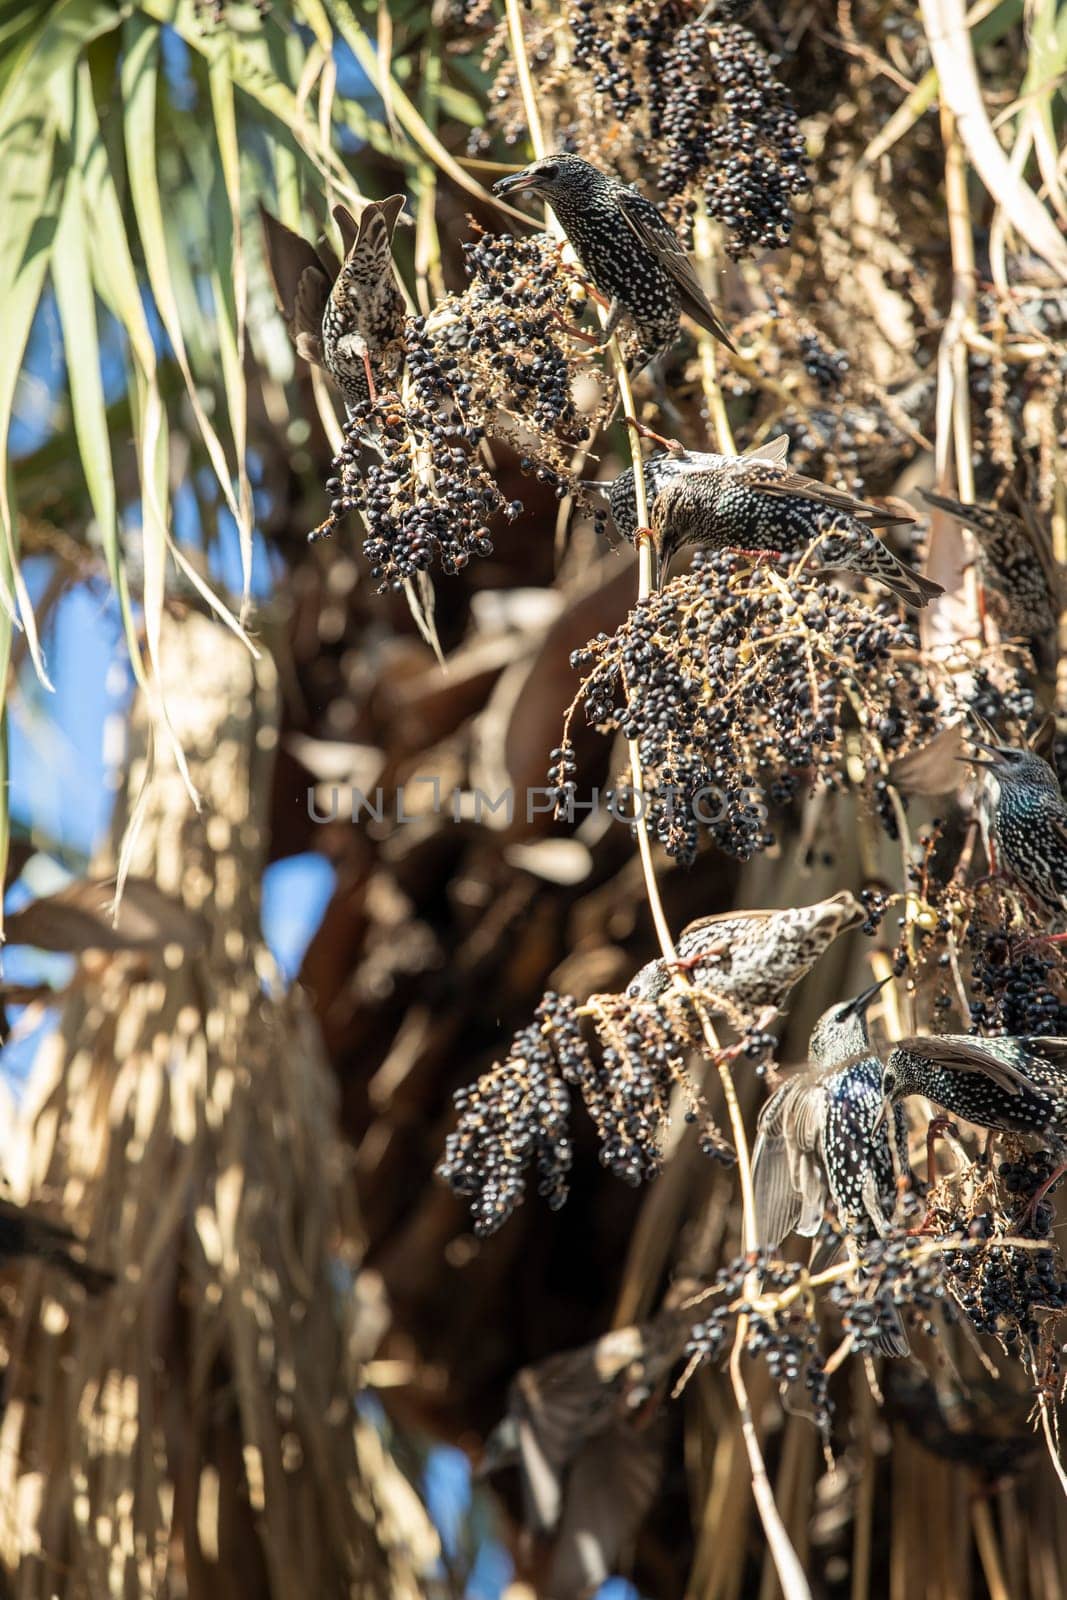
<point>880,1118</point>
<point>859,1006</point>
<point>992,758</point>
<point>517,183</point>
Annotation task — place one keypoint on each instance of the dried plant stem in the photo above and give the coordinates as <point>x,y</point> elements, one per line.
<point>986,1540</point>
<point>704,253</point>
<point>522,69</point>
<point>790,1572</point>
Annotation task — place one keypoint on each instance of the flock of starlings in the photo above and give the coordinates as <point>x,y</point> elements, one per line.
<point>824,1134</point>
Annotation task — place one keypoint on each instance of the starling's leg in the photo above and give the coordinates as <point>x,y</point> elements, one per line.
<point>936,1127</point>
<point>675,446</point>
<point>614,317</point>
<point>690,963</point>
<point>371,387</point>
<point>1043,938</point>
<point>599,340</point>
<point>577,333</point>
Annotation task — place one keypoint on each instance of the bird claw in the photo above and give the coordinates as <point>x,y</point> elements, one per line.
<point>682,963</point>
<point>578,333</point>
<point>674,446</point>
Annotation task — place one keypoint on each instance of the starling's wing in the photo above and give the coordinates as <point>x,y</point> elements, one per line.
<point>658,237</point>
<point>777,1202</point>
<point>609,1490</point>
<point>893,1340</point>
<point>1051,1050</point>
<point>787,1173</point>
<point>301,284</point>
<point>872,1203</point>
<point>807,1129</point>
<point>773,478</point>
<point>556,1406</point>
<point>720,918</point>
<point>1040,539</point>
<point>372,239</point>
<point>776,449</point>
<point>931,768</point>
<point>390,209</point>
<point>827,1249</point>
<point>964,1054</point>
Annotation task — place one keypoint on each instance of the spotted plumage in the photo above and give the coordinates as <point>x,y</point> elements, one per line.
<point>1015,1085</point>
<point>822,1143</point>
<point>1027,821</point>
<point>346,316</point>
<point>752,959</point>
<point>755,502</point>
<point>1015,562</point>
<point>629,251</point>
<point>1010,1084</point>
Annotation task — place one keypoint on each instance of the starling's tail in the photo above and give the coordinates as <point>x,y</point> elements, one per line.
<point>865,553</point>
<point>911,587</point>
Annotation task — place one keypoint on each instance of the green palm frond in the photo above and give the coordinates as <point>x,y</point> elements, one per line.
<point>134,143</point>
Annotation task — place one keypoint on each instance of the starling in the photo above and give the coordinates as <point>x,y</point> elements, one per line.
<point>755,503</point>
<point>1015,1085</point>
<point>822,1141</point>
<point>629,251</point>
<point>751,959</point>
<point>347,316</point>
<point>1015,561</point>
<point>1027,822</point>
<point>25,1233</point>
<point>584,1430</point>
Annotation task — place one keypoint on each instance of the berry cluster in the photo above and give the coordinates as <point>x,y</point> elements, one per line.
<point>826,368</point>
<point>725,127</point>
<point>1019,985</point>
<point>1007,1292</point>
<point>785,1335</point>
<point>489,362</point>
<point>517,1114</point>
<point>652,89</point>
<point>735,686</point>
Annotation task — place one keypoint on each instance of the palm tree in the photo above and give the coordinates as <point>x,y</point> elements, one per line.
<point>254,1163</point>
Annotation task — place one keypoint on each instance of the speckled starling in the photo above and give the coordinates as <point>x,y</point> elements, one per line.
<point>1027,822</point>
<point>822,1142</point>
<point>751,959</point>
<point>346,316</point>
<point>629,251</point>
<point>24,1233</point>
<point>756,503</point>
<point>1015,561</point>
<point>1015,1085</point>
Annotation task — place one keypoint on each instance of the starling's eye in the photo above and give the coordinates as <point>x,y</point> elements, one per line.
<point>889,1082</point>
<point>549,172</point>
